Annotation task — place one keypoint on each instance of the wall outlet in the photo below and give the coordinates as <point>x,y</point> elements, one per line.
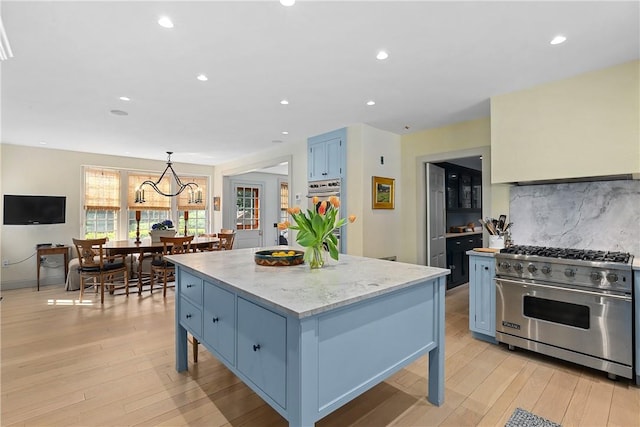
<point>5,263</point>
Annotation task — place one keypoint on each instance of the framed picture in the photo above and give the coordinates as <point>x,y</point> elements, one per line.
<point>216,203</point>
<point>383,192</point>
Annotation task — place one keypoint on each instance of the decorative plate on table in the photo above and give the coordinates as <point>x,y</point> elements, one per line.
<point>279,258</point>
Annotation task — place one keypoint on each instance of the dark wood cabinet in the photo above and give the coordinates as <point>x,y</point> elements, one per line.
<point>457,258</point>
<point>463,188</point>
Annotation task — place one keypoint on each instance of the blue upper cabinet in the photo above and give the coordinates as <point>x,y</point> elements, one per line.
<point>326,155</point>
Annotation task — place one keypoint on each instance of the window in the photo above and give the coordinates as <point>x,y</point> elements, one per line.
<point>101,203</point>
<point>109,192</point>
<point>156,207</point>
<point>247,208</point>
<point>196,213</point>
<point>283,235</point>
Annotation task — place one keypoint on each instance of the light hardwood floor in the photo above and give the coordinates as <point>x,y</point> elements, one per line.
<point>89,365</point>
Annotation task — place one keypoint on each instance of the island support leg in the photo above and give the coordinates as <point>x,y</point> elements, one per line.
<point>302,372</point>
<point>181,340</point>
<point>436,356</point>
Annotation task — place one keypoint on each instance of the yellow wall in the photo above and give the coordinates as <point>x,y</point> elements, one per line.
<point>584,126</point>
<point>41,171</point>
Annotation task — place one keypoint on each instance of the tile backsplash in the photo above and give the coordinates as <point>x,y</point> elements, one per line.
<point>600,215</point>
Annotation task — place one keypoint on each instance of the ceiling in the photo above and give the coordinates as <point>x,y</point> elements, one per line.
<point>73,60</point>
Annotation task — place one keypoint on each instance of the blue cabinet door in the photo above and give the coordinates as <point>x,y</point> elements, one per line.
<point>326,155</point>
<point>334,158</point>
<point>317,160</point>
<point>482,296</point>
<point>262,349</point>
<point>219,321</point>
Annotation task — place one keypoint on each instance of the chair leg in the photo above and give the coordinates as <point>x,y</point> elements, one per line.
<point>195,349</point>
<point>153,273</point>
<point>164,287</point>
<point>126,282</point>
<point>81,287</point>
<point>101,290</point>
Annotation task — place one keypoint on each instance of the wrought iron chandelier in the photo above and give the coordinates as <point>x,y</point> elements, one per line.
<point>195,192</point>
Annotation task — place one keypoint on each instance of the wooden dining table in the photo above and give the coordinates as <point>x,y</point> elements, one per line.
<point>146,246</point>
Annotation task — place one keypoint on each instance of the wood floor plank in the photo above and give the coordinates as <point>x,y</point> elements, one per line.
<point>71,364</point>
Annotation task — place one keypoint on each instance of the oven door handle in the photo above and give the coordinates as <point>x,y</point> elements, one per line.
<point>323,194</point>
<point>561,288</point>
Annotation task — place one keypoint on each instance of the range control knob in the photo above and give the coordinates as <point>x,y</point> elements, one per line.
<point>532,268</point>
<point>517,267</point>
<point>504,265</point>
<point>612,277</point>
<point>546,269</point>
<point>569,272</point>
<point>596,276</point>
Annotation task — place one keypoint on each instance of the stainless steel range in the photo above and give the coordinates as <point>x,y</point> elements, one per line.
<point>571,304</point>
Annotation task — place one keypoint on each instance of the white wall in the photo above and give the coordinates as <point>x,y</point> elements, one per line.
<point>42,171</point>
<point>376,232</point>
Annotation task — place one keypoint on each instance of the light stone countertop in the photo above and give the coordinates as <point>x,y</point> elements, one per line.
<point>303,292</point>
<point>485,254</point>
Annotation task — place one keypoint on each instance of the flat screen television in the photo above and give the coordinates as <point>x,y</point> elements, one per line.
<point>27,210</point>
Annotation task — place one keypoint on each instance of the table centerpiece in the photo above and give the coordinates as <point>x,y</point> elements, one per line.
<point>315,229</point>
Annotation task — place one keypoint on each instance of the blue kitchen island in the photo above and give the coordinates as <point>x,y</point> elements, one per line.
<point>309,341</point>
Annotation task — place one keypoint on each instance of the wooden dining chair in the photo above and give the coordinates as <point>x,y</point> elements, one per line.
<point>94,264</point>
<point>226,240</point>
<point>161,267</point>
<point>211,246</point>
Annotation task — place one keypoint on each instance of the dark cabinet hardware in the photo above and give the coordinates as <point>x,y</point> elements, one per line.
<point>256,347</point>
<point>190,286</point>
<point>215,319</point>
<point>188,316</point>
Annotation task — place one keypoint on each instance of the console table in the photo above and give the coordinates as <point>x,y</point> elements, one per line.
<point>53,250</point>
<point>309,341</point>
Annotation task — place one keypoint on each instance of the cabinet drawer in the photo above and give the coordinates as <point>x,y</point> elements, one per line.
<point>262,349</point>
<point>219,321</point>
<point>191,318</point>
<point>191,287</point>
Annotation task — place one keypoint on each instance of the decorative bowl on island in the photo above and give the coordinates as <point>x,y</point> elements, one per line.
<point>279,257</point>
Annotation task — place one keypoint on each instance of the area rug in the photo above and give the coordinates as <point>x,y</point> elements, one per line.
<point>522,418</point>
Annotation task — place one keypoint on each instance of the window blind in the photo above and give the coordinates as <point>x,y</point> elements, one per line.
<point>101,189</point>
<point>183,198</point>
<point>153,200</point>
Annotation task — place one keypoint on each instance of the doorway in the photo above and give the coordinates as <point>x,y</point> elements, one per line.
<point>423,225</point>
<point>251,200</point>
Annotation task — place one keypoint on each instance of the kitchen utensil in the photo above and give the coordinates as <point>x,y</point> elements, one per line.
<point>489,226</point>
<point>501,221</point>
<point>508,226</point>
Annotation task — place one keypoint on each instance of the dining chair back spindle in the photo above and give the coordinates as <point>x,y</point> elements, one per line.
<point>94,264</point>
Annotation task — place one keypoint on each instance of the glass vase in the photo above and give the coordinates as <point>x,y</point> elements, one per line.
<point>316,256</point>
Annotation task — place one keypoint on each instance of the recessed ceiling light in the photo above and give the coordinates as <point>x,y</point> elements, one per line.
<point>284,102</point>
<point>371,102</point>
<point>558,39</point>
<point>382,55</point>
<point>125,98</point>
<point>119,113</point>
<point>287,2</point>
<point>277,141</point>
<point>202,77</point>
<point>165,22</point>
<point>284,132</point>
<point>43,143</point>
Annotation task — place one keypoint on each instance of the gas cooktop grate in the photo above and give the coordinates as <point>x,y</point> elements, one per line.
<point>565,253</point>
